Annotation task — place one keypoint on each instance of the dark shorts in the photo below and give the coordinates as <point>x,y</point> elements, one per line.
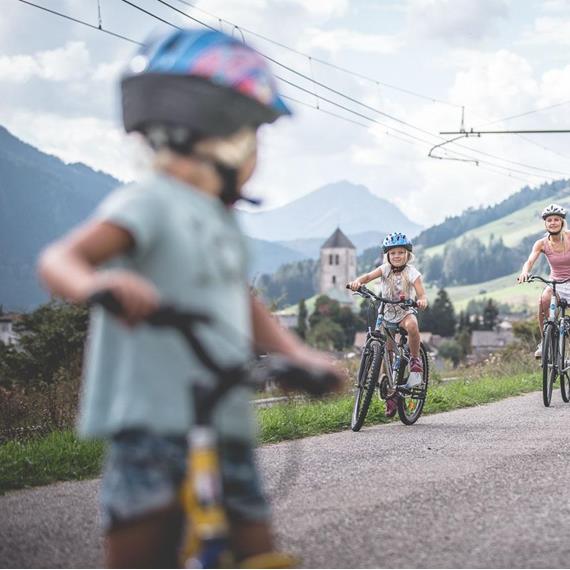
<point>144,471</point>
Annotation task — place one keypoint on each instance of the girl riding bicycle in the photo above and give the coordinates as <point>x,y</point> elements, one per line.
<point>197,97</point>
<point>399,279</point>
<point>555,245</point>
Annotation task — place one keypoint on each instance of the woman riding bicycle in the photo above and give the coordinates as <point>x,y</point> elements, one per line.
<point>400,279</point>
<point>555,245</point>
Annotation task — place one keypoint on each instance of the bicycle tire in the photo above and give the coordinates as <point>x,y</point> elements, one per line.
<point>548,363</point>
<point>564,377</point>
<point>410,409</point>
<point>367,380</point>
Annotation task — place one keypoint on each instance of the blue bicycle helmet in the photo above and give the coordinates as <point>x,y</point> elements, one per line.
<point>396,239</point>
<point>203,80</point>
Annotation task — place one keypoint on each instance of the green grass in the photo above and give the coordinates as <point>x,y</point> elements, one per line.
<point>295,420</point>
<point>61,456</point>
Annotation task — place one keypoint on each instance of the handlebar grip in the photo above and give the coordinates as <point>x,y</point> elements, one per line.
<point>294,377</point>
<point>107,300</point>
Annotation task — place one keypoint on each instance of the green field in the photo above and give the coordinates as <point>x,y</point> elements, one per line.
<point>512,228</point>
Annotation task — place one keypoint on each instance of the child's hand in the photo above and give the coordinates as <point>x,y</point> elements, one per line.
<point>422,304</point>
<point>308,358</point>
<point>137,296</point>
<point>355,285</point>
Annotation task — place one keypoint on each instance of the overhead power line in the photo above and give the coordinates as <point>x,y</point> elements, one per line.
<point>352,111</point>
<point>336,92</point>
<point>82,22</point>
<point>319,60</point>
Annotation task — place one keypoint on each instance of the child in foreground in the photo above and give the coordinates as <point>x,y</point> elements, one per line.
<point>197,98</point>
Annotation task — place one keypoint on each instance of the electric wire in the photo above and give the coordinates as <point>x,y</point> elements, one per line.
<point>82,22</point>
<point>344,95</point>
<point>303,89</point>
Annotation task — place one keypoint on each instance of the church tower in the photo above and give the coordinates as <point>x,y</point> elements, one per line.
<point>337,267</point>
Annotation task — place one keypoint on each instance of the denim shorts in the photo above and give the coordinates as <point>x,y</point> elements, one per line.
<point>144,471</point>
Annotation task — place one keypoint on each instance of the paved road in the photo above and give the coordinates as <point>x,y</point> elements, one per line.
<point>481,487</point>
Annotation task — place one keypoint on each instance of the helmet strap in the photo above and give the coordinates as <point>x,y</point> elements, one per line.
<point>398,269</point>
<point>555,233</point>
<point>230,193</point>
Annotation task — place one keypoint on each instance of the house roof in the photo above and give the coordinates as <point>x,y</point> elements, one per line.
<point>338,239</point>
<point>491,338</point>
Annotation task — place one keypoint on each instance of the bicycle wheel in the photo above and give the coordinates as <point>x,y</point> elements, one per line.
<point>367,380</point>
<point>564,376</point>
<point>549,354</point>
<point>410,406</point>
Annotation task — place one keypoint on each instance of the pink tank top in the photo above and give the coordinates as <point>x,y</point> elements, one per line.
<point>559,262</point>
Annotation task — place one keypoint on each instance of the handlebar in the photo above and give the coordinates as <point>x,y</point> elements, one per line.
<point>316,382</point>
<point>546,281</point>
<point>367,294</point>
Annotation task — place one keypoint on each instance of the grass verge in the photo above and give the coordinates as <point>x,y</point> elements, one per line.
<point>61,456</point>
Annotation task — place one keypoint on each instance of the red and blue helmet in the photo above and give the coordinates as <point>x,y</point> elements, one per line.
<point>202,80</point>
<point>394,240</point>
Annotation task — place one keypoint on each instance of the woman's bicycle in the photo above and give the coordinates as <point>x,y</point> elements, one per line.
<point>206,541</point>
<point>555,344</point>
<point>384,365</point>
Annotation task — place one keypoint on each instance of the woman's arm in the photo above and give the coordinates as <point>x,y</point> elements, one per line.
<point>68,268</point>
<point>537,249</point>
<point>365,278</point>
<point>421,297</point>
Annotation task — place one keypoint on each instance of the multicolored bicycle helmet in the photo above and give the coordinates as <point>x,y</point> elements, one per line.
<point>203,80</point>
<point>554,210</point>
<point>396,239</point>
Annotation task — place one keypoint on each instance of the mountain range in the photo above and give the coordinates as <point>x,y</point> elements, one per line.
<point>41,198</point>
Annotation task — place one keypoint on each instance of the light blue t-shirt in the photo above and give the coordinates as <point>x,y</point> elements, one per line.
<point>189,246</point>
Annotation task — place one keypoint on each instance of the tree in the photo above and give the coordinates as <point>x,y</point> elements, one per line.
<point>302,319</point>
<point>490,314</point>
<point>441,318</point>
<point>326,335</point>
<point>451,350</point>
<point>51,342</point>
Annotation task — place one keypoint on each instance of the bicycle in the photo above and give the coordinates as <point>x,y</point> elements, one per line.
<point>555,344</point>
<point>206,536</point>
<point>382,353</point>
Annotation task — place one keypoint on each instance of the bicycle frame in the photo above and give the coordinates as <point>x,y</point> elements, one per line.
<point>205,543</point>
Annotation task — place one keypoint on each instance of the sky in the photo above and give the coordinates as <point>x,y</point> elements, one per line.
<point>393,75</point>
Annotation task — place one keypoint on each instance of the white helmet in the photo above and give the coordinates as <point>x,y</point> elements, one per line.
<point>554,210</point>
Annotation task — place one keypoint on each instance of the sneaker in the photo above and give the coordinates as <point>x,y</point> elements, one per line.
<point>391,407</point>
<point>538,351</point>
<point>416,372</point>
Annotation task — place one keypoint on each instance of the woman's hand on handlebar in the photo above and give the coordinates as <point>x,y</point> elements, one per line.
<point>524,277</point>
<point>137,297</point>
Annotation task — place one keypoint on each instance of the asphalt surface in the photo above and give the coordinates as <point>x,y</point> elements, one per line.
<point>480,487</point>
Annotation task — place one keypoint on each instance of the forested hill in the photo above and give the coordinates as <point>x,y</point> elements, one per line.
<point>472,218</point>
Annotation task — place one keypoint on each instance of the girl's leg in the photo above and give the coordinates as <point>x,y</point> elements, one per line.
<point>150,542</point>
<point>410,324</point>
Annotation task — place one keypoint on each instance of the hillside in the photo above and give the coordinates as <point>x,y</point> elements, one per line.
<point>471,218</point>
<point>40,198</point>
<point>513,227</point>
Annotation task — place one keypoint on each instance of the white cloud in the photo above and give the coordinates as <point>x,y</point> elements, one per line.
<point>548,30</point>
<point>455,21</point>
<point>62,64</point>
<point>342,39</point>
<point>321,8</point>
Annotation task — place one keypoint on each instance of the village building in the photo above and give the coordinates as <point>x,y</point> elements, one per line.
<point>337,268</point>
